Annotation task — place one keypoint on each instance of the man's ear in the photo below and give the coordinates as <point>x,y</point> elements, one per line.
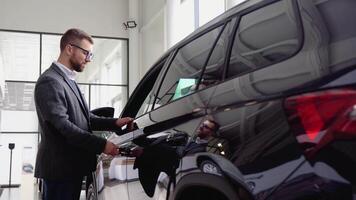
<point>68,50</point>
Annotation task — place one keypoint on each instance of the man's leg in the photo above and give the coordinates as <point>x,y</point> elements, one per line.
<point>62,190</point>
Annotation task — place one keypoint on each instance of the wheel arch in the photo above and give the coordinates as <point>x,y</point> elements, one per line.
<point>189,185</point>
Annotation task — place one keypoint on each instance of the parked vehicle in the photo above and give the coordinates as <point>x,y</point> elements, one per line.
<point>278,79</point>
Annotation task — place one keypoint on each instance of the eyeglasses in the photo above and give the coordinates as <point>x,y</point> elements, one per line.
<point>205,125</point>
<point>88,54</point>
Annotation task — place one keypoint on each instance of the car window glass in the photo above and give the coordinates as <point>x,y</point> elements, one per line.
<point>213,70</point>
<point>264,36</point>
<point>151,85</point>
<point>146,105</point>
<point>186,68</point>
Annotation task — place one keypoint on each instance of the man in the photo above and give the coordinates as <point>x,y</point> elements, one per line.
<point>206,130</point>
<point>68,148</point>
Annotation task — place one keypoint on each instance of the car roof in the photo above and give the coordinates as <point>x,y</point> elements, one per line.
<point>227,14</point>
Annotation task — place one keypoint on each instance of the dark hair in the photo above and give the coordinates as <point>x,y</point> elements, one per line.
<point>74,35</point>
<point>217,126</point>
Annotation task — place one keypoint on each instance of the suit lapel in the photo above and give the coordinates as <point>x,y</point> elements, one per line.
<point>74,89</point>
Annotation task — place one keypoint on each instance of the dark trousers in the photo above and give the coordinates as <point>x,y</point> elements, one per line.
<point>62,190</point>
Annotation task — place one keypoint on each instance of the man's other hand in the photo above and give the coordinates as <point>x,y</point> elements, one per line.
<point>125,121</point>
<point>111,149</point>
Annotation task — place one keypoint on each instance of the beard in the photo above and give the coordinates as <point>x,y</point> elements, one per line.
<point>76,66</point>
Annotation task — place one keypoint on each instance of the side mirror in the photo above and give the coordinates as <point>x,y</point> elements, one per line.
<point>104,111</point>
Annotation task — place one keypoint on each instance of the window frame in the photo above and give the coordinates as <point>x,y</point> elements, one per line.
<point>230,20</point>
<point>133,106</point>
<point>239,15</point>
<point>221,24</point>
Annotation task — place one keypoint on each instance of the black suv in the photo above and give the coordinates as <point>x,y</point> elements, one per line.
<point>260,103</point>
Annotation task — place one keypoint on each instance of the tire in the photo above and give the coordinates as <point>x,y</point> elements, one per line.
<point>91,193</point>
<point>208,166</point>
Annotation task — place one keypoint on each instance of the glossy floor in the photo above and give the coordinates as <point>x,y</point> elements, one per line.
<point>20,194</point>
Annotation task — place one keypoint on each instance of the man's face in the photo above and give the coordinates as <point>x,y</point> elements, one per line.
<point>81,55</point>
<point>206,129</point>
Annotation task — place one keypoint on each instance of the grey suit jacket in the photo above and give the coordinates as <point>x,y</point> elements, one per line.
<point>68,148</point>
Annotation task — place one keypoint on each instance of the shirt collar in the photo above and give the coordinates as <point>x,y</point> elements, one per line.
<point>71,74</point>
<point>199,140</point>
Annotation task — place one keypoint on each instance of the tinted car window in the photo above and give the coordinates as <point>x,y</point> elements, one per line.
<point>186,68</point>
<point>264,36</point>
<point>213,70</point>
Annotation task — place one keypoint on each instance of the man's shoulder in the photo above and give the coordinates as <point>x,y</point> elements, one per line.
<point>49,80</point>
<point>49,74</point>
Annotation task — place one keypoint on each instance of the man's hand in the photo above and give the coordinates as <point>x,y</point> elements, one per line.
<point>125,121</point>
<point>111,149</point>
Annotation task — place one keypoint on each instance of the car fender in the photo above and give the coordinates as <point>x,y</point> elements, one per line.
<point>190,183</point>
<point>228,169</point>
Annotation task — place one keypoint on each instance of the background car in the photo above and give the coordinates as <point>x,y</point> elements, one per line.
<point>278,77</point>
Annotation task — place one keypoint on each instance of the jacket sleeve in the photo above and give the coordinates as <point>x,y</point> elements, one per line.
<point>99,123</point>
<point>51,104</point>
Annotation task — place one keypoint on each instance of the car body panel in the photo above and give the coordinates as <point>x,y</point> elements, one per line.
<point>262,56</point>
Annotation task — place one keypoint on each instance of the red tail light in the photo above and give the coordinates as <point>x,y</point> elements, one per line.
<point>321,117</point>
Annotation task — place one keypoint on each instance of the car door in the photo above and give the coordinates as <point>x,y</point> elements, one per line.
<point>181,91</point>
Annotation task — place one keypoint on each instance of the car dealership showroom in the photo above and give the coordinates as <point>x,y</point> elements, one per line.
<point>177,100</point>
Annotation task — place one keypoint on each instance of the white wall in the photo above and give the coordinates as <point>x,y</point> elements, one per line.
<point>2,81</point>
<point>150,8</point>
<point>134,46</point>
<point>152,35</point>
<point>181,21</point>
<point>232,3</point>
<point>152,39</point>
<point>97,17</point>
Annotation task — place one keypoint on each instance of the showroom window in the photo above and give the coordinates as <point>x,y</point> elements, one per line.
<point>257,43</point>
<point>23,57</point>
<point>19,52</point>
<point>186,67</point>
